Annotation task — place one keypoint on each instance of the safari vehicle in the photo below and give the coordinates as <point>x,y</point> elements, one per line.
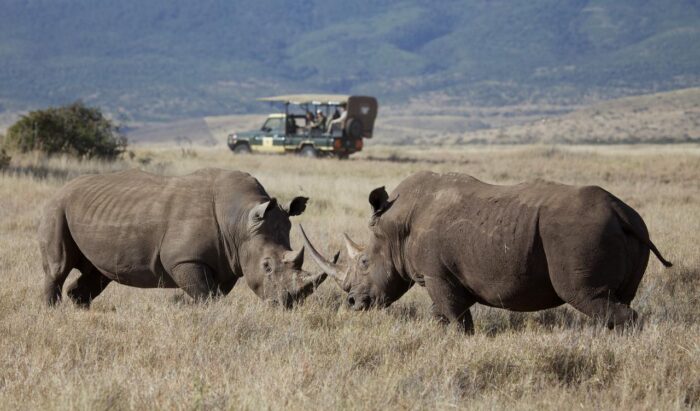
<point>297,129</point>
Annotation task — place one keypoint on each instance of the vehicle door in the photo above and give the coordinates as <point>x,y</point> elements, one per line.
<point>273,135</point>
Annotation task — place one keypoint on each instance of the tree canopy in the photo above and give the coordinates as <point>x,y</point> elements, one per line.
<point>73,129</point>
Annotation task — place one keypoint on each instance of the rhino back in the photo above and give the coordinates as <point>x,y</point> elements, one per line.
<point>120,220</point>
<point>484,235</point>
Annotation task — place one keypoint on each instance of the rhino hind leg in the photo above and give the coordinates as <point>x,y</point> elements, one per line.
<point>53,282</point>
<point>638,259</point>
<point>609,311</point>
<point>88,286</point>
<point>197,280</point>
<point>593,275</point>
<point>599,302</point>
<point>58,254</point>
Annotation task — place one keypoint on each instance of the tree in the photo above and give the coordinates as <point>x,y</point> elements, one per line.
<point>74,129</point>
<point>4,158</point>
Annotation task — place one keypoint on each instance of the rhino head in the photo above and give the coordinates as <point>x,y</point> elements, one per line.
<point>372,275</point>
<point>272,270</point>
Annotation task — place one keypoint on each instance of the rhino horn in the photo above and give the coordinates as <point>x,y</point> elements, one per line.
<point>331,269</point>
<point>353,248</point>
<point>295,257</point>
<point>307,286</point>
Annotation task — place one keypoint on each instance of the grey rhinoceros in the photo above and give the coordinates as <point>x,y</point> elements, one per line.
<point>200,232</point>
<point>523,247</point>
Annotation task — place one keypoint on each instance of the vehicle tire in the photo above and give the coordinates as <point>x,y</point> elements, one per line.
<point>242,149</point>
<point>354,128</point>
<point>308,151</point>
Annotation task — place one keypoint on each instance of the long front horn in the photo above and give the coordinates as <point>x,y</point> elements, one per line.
<point>330,268</point>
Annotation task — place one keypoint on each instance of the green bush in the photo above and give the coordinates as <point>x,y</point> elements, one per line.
<point>4,159</point>
<point>74,129</point>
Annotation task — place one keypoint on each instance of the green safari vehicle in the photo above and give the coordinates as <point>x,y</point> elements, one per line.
<point>312,125</point>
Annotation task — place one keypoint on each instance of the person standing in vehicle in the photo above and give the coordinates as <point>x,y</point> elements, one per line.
<point>320,121</point>
<point>309,119</point>
<point>342,110</point>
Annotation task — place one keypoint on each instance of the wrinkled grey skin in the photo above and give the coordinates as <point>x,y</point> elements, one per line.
<point>200,232</point>
<point>525,247</point>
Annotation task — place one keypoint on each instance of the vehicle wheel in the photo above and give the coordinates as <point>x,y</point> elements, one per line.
<point>242,149</point>
<point>308,151</point>
<point>353,128</point>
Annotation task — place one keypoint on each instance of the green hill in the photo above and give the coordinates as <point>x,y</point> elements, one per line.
<point>169,59</point>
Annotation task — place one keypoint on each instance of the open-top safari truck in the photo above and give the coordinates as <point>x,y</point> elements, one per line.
<point>311,125</point>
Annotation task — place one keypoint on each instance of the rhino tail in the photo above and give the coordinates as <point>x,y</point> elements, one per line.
<point>633,229</point>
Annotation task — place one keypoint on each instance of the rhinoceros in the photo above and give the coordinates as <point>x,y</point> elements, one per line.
<point>523,247</point>
<point>200,232</point>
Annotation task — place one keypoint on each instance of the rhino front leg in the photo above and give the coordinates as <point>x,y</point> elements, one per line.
<point>438,315</point>
<point>451,302</point>
<point>197,280</point>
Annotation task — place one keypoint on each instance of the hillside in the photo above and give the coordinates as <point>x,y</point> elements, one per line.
<point>672,117</point>
<point>162,60</point>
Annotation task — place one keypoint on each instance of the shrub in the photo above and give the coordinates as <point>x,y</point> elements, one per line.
<point>74,129</point>
<point>4,159</point>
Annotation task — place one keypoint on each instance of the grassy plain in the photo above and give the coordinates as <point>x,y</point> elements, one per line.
<point>145,349</point>
<point>667,117</point>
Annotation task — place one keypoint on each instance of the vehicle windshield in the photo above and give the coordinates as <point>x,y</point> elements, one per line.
<point>274,126</point>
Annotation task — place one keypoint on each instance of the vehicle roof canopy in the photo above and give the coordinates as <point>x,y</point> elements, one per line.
<point>317,99</point>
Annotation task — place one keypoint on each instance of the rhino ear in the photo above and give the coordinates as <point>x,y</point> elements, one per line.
<point>377,199</point>
<point>258,212</point>
<point>296,206</point>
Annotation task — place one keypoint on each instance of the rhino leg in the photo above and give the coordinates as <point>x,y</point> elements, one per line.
<point>88,286</point>
<point>437,315</point>
<point>593,273</point>
<point>451,302</point>
<point>58,253</point>
<point>55,274</point>
<point>609,311</point>
<point>197,280</point>
<point>227,286</point>
<point>594,292</point>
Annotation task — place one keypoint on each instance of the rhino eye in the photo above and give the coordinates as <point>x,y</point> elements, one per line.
<point>364,263</point>
<point>267,267</point>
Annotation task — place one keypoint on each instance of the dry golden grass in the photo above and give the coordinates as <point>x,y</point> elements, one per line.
<point>145,349</point>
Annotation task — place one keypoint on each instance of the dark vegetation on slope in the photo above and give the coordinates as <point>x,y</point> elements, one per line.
<point>163,59</point>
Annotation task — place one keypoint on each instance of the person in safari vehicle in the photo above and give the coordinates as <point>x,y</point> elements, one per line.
<point>296,130</point>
